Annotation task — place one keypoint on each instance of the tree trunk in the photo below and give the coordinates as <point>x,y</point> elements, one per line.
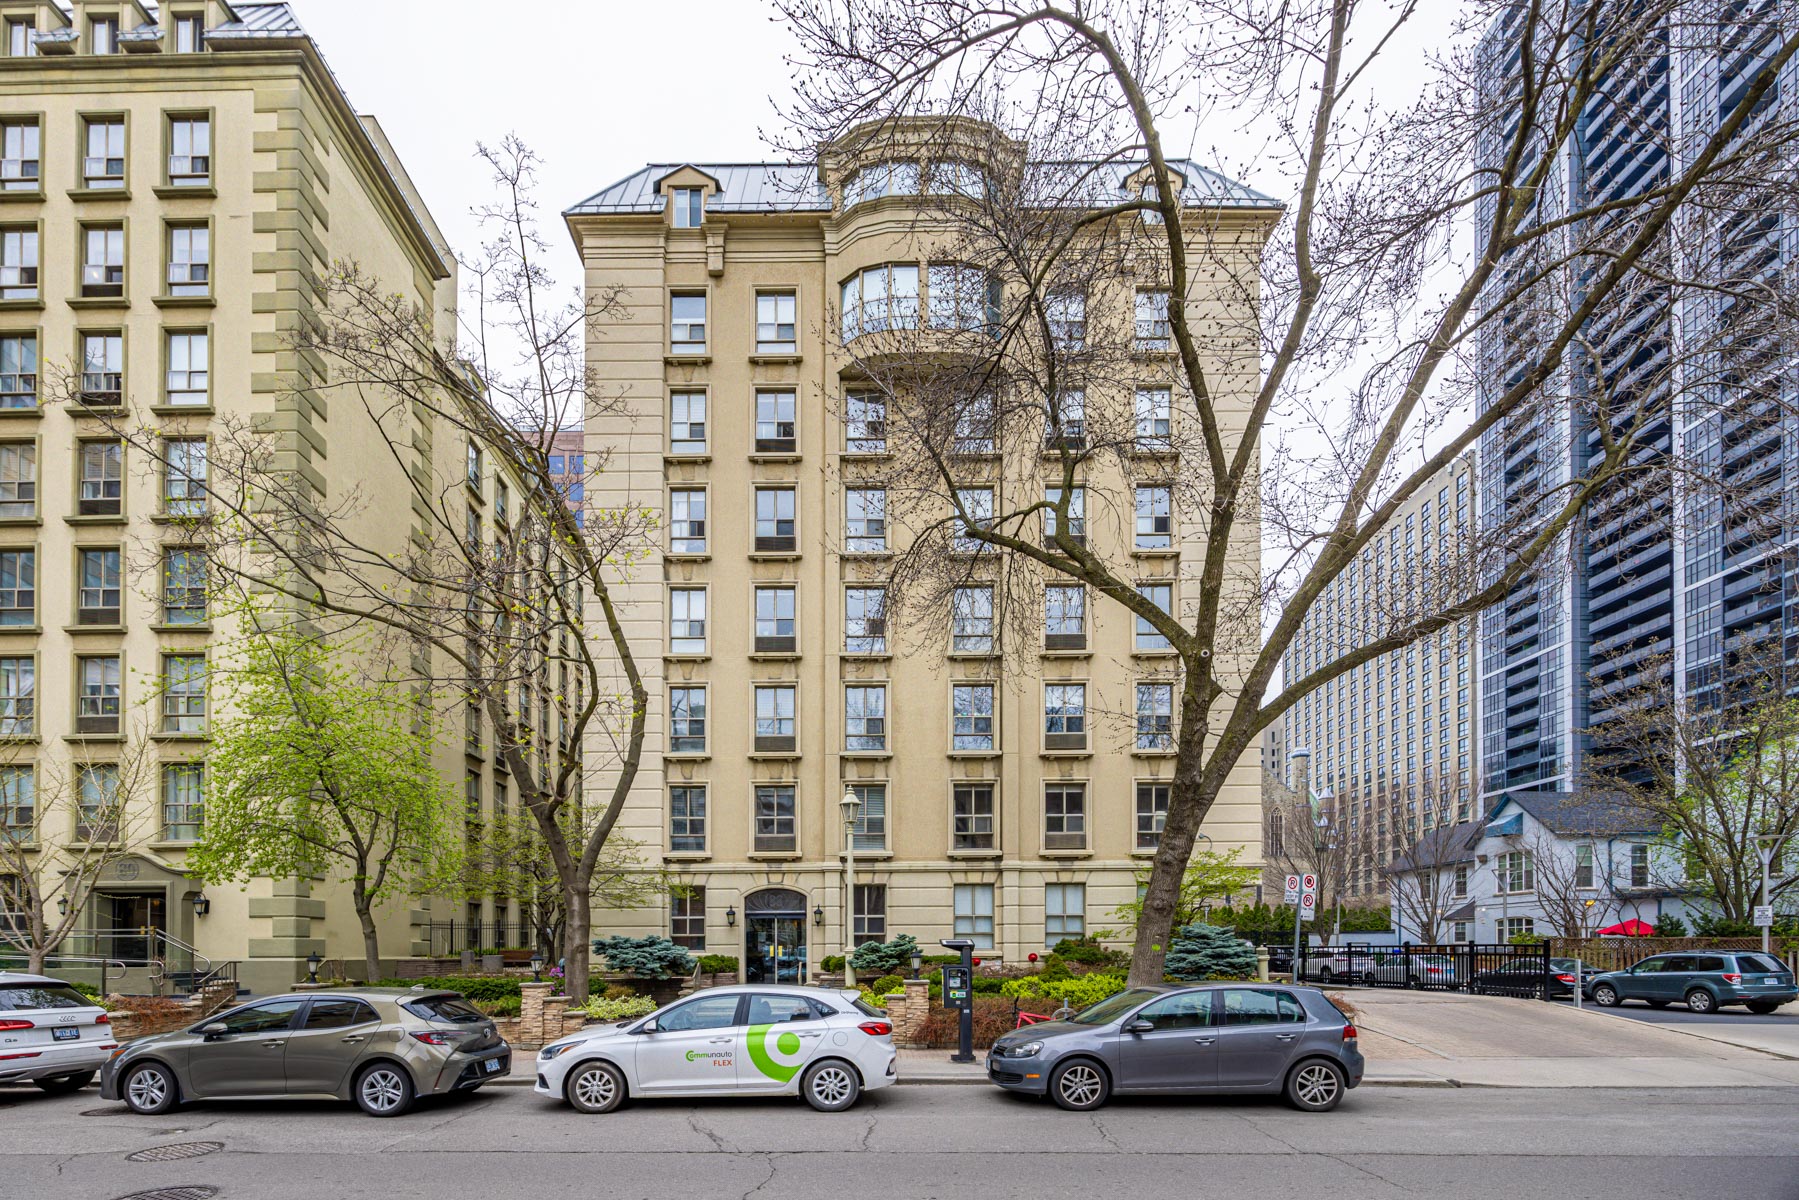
<point>371,948</point>
<point>34,960</point>
<point>576,944</point>
<point>1189,800</point>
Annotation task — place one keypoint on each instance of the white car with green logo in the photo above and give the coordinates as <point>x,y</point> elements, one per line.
<point>760,1039</point>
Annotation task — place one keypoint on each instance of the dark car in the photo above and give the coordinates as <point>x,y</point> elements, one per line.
<point>381,1047</point>
<point>1528,979</point>
<point>1252,1038</point>
<point>1705,981</point>
<point>1280,959</point>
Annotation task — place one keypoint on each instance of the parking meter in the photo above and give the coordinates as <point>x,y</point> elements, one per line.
<point>958,993</point>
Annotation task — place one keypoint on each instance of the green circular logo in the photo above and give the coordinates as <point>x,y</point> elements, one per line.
<point>788,1043</point>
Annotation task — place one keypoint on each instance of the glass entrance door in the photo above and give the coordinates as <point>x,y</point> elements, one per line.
<point>776,948</point>
<point>130,925</point>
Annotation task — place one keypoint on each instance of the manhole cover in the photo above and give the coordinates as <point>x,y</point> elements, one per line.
<point>178,1150</point>
<point>193,1191</point>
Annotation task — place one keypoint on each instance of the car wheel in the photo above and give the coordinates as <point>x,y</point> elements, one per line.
<point>384,1090</point>
<point>63,1085</point>
<point>1605,996</point>
<point>1079,1086</point>
<point>594,1087</point>
<point>830,1086</point>
<point>1315,1086</point>
<point>1762,1008</point>
<point>1701,1001</point>
<point>149,1090</point>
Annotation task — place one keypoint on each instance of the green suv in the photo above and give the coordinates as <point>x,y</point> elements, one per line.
<point>1705,980</point>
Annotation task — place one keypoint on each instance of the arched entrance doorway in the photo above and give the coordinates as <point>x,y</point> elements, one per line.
<point>774,936</point>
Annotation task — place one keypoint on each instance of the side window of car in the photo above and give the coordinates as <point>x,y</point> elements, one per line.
<point>1679,963</point>
<point>1186,1011</point>
<point>1291,1008</point>
<point>1709,964</point>
<point>709,1012</point>
<point>1651,966</point>
<point>1255,1006</point>
<point>772,1010</point>
<point>337,1014</point>
<point>267,1017</point>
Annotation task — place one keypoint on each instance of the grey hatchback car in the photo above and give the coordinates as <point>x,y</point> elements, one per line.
<point>1704,981</point>
<point>381,1047</point>
<point>1250,1038</point>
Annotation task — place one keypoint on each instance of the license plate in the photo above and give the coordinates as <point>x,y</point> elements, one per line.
<point>491,1065</point>
<point>65,1035</point>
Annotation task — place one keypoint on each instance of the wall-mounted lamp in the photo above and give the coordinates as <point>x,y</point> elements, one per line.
<point>730,915</point>
<point>202,905</point>
<point>313,961</point>
<point>62,906</point>
<point>818,915</point>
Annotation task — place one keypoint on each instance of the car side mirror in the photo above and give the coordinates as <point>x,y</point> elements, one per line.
<point>647,1027</point>
<point>216,1029</point>
<point>1140,1027</point>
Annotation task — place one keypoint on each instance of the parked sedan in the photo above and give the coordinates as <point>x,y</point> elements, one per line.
<point>1705,981</point>
<point>50,1034</point>
<point>1213,1038</point>
<point>381,1047</point>
<point>749,1040</point>
<point>1528,979</point>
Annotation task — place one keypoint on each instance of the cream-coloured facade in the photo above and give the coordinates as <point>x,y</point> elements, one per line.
<point>731,379</point>
<point>172,181</point>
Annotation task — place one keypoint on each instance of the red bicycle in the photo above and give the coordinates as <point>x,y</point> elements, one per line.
<point>1022,1018</point>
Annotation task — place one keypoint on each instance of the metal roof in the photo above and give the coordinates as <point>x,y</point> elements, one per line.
<point>260,21</point>
<point>795,187</point>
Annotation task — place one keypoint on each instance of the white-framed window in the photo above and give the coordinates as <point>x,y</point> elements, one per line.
<point>190,260</point>
<point>1155,517</point>
<point>1511,927</point>
<point>880,298</point>
<point>866,520</point>
<point>687,323</point>
<point>687,819</point>
<point>777,510</point>
<point>183,801</point>
<point>189,30</point>
<point>18,803</point>
<point>865,620</point>
<point>102,35</point>
<point>103,369</point>
<point>975,425</point>
<point>865,717</point>
<point>1151,811</point>
<point>18,587</point>
<point>777,322</point>
<point>881,179</point>
<point>1077,514</point>
<point>18,697</point>
<point>687,521</point>
<point>100,593</point>
<point>1065,427</point>
<point>103,158</point>
<point>1067,315</point>
<point>971,620</point>
<point>777,421</point>
<point>1458,931</point>
<point>1147,637</point>
<point>870,830</point>
<point>865,421</point>
<point>974,817</point>
<point>18,480</point>
<point>1515,871</point>
<point>974,913</point>
<point>1155,418</point>
<point>98,802</point>
<point>190,151</point>
<point>184,480</point>
<point>184,586</point>
<point>1583,865</point>
<point>1461,882</point>
<point>687,423</point>
<point>976,507</point>
<point>964,298</point>
<point>777,618</point>
<point>776,820</point>
<point>1064,617</point>
<point>1064,716</point>
<point>1639,865</point>
<point>18,263</point>
<point>871,904</point>
<point>687,720</point>
<point>18,370</point>
<point>687,918</point>
<point>184,693</point>
<point>1064,816</point>
<point>777,708</point>
<point>687,621</point>
<point>97,703</point>
<point>103,261</point>
<point>1155,716</point>
<point>189,363</point>
<point>1064,912</point>
<point>19,37</point>
<point>971,717</point>
<point>1153,329</point>
<point>688,206</point>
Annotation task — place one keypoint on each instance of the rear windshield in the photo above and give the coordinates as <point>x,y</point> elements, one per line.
<point>42,995</point>
<point>444,1008</point>
<point>1755,962</point>
<point>868,1010</point>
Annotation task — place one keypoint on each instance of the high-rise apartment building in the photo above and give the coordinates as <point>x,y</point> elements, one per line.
<point>1010,799</point>
<point>1391,741</point>
<point>1663,580</point>
<point>171,182</point>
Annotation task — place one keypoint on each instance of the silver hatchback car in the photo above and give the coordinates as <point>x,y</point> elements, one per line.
<point>1228,1037</point>
<point>381,1047</point>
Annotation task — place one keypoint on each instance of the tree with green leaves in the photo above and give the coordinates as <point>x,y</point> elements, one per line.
<point>1212,877</point>
<point>324,765</point>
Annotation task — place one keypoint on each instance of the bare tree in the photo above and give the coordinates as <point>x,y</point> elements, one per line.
<point>62,824</point>
<point>503,602</point>
<point>1430,881</point>
<point>1015,428</point>
<point>1574,888</point>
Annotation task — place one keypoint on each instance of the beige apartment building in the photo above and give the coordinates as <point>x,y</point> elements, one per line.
<point>169,183</point>
<point>738,409</point>
<point>1389,745</point>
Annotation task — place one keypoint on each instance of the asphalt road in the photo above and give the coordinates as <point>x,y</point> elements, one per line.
<point>1777,1031</point>
<point>926,1142</point>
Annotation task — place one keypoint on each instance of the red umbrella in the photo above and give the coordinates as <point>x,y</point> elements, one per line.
<point>1630,928</point>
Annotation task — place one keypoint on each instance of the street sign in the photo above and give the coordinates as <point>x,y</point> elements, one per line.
<point>1309,883</point>
<point>1292,889</point>
<point>1308,905</point>
<point>1764,915</point>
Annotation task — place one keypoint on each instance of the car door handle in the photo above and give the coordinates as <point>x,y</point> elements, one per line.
<point>719,1042</point>
<point>1205,1041</point>
<point>276,1042</point>
<point>804,1035</point>
<point>355,1037</point>
<point>1285,1037</point>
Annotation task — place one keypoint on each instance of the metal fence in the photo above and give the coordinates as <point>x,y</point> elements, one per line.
<point>449,938</point>
<point>1499,970</point>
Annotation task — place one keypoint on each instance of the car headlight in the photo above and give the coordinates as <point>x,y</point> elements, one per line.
<point>555,1051</point>
<point>1021,1050</point>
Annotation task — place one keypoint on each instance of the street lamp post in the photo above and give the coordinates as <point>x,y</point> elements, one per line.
<point>851,804</point>
<point>1767,845</point>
